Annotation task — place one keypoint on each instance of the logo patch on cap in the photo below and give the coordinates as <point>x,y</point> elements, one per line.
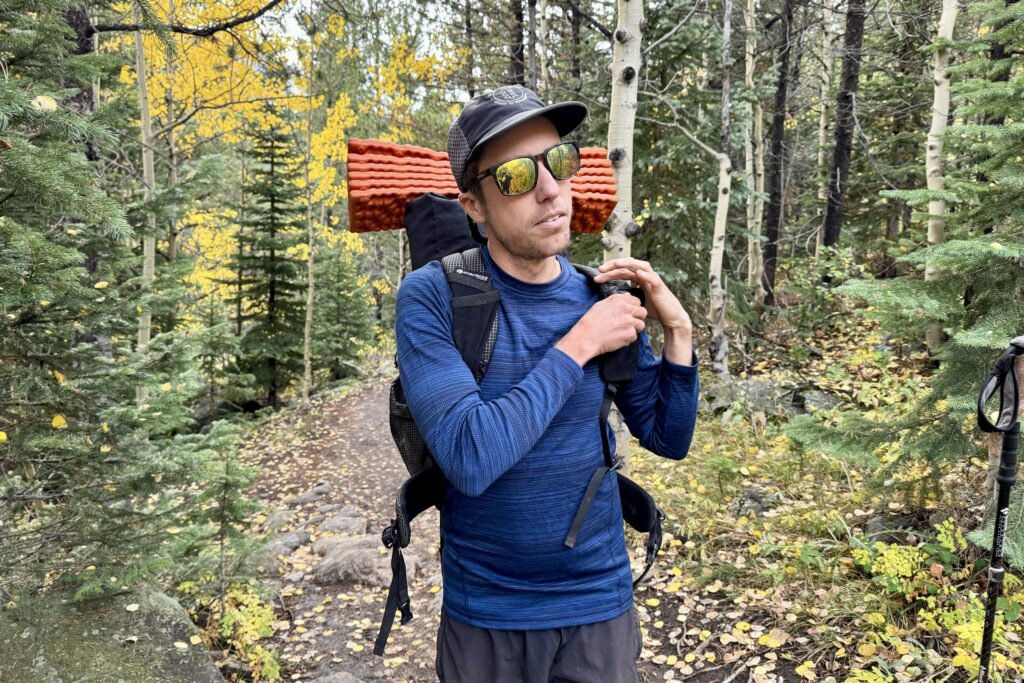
<point>509,94</point>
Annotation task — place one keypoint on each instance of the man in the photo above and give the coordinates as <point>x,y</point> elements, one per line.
<point>518,449</point>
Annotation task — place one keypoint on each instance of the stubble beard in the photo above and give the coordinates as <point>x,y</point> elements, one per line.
<point>524,244</point>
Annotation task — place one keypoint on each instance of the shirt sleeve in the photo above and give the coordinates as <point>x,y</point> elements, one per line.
<point>659,405</point>
<point>473,441</point>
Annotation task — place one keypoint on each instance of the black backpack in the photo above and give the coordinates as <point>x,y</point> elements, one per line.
<point>475,329</point>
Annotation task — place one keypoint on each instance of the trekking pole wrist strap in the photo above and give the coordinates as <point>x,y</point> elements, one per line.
<point>1003,380</point>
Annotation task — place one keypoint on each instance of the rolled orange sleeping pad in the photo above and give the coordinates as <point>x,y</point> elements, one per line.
<point>385,176</point>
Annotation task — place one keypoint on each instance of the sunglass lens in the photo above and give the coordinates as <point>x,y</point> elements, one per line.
<point>516,176</point>
<point>563,160</point>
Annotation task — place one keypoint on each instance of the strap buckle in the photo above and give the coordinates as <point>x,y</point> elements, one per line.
<point>390,535</point>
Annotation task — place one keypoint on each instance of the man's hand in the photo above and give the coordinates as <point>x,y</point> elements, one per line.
<point>662,305</point>
<point>609,325</point>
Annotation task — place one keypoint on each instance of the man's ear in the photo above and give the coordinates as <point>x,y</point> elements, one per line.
<point>472,206</point>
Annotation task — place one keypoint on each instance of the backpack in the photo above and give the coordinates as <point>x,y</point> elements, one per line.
<point>475,329</point>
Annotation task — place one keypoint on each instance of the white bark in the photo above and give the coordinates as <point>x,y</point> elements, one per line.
<point>542,45</point>
<point>716,288</point>
<point>622,119</point>
<point>716,312</point>
<point>307,332</point>
<point>933,152</point>
<point>532,52</point>
<point>149,182</point>
<point>827,58</point>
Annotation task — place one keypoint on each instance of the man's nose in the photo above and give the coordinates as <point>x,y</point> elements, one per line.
<point>547,186</point>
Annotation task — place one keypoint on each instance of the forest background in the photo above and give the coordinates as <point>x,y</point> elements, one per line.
<point>833,189</point>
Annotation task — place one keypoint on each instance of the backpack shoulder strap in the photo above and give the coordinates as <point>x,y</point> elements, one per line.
<point>474,308</point>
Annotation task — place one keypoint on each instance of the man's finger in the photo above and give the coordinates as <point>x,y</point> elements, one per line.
<point>618,274</point>
<point>630,263</point>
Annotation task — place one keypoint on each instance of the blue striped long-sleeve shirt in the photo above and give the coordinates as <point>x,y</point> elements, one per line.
<point>519,448</point>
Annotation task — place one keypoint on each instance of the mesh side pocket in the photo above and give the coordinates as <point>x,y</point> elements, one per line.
<point>406,434</point>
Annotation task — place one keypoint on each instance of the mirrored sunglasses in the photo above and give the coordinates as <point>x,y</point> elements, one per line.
<point>519,175</point>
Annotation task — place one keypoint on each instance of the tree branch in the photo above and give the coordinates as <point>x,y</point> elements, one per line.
<point>202,32</point>
<point>590,20</point>
<point>672,32</point>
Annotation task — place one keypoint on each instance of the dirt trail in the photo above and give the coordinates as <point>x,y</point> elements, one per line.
<point>331,629</point>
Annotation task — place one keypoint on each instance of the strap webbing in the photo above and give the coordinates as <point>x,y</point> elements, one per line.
<point>1003,379</point>
<point>610,464</point>
<point>398,596</point>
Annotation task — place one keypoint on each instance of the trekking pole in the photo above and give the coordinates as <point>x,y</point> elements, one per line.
<point>1004,380</point>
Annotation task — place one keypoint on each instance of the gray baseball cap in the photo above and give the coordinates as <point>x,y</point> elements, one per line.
<point>492,113</point>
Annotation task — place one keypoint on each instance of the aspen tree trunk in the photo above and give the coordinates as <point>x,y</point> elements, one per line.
<point>753,152</point>
<point>702,118</point>
<point>716,313</point>
<point>845,101</point>
<point>826,83</point>
<point>542,44</point>
<point>243,179</point>
<point>149,181</point>
<point>533,44</point>
<point>172,163</point>
<point>622,119</point>
<point>307,330</point>
<point>776,158</point>
<point>933,152</point>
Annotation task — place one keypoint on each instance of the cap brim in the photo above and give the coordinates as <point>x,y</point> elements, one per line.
<point>567,117</point>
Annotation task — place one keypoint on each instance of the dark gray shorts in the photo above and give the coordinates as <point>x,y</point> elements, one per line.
<point>605,652</point>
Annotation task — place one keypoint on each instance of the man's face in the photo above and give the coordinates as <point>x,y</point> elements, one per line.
<point>531,226</point>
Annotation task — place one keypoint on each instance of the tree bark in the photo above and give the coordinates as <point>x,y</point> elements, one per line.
<point>933,152</point>
<point>542,44</point>
<point>717,295</point>
<point>307,329</point>
<point>753,149</point>
<point>172,175</point>
<point>533,44</point>
<point>84,101</point>
<point>470,62</point>
<point>828,45</point>
<point>845,102</point>
<point>622,120</point>
<point>517,61</point>
<point>149,182</point>
<point>776,157</point>
<point>576,23</point>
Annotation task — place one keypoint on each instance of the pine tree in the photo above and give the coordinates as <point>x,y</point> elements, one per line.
<point>270,276</point>
<point>343,313</point>
<point>227,389</point>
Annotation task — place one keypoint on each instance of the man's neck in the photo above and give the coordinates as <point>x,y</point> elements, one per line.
<point>536,272</point>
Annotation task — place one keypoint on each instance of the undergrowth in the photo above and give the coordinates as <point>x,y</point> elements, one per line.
<point>850,567</point>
